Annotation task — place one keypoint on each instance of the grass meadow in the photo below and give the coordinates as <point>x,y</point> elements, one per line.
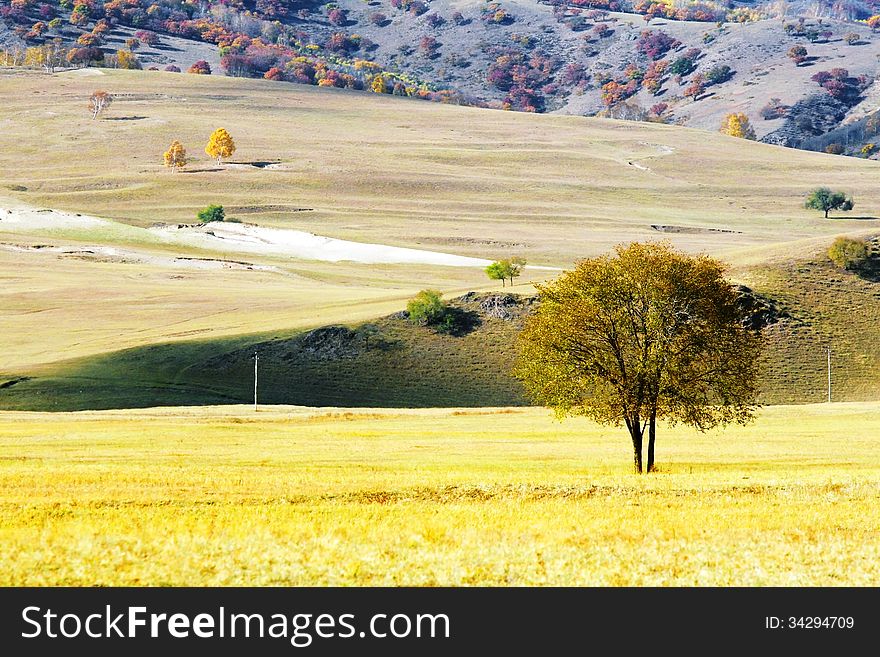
<point>296,496</point>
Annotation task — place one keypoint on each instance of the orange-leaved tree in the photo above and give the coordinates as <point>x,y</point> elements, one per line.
<point>220,145</point>
<point>175,156</point>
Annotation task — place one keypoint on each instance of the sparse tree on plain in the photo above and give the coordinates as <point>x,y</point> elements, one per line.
<point>175,156</point>
<point>824,200</point>
<point>220,145</point>
<point>98,102</point>
<point>642,335</point>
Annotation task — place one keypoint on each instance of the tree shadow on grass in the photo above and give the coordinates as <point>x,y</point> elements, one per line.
<point>125,118</point>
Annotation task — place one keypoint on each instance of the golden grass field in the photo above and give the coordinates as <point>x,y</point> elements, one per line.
<point>295,496</point>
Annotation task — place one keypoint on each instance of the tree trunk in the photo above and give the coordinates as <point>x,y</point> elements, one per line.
<point>652,432</point>
<point>635,431</point>
<point>826,214</point>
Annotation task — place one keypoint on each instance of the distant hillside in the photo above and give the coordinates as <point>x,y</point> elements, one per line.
<point>680,62</point>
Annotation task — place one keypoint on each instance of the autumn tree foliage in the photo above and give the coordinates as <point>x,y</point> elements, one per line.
<point>175,156</point>
<point>201,67</point>
<point>220,145</point>
<point>127,60</point>
<point>378,85</point>
<point>737,124</point>
<point>614,92</point>
<point>655,44</point>
<point>696,89</point>
<point>874,22</point>
<point>98,102</point>
<point>642,335</point>
<point>838,83</point>
<point>797,54</point>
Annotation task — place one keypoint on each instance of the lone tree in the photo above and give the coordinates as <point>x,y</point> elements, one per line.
<point>211,213</point>
<point>648,333</point>
<point>505,270</point>
<point>737,124</point>
<point>201,67</point>
<point>220,145</point>
<point>175,156</point>
<point>797,54</point>
<point>824,200</point>
<point>98,102</point>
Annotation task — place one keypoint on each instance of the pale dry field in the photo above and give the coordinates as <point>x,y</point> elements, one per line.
<point>386,170</point>
<point>294,496</point>
<point>407,172</point>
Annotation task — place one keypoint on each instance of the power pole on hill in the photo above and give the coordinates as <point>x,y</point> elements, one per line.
<point>828,351</point>
<point>256,362</point>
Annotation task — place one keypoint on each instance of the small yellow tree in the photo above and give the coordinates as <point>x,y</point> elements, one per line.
<point>127,60</point>
<point>220,145</point>
<point>378,86</point>
<point>737,125</point>
<point>175,156</point>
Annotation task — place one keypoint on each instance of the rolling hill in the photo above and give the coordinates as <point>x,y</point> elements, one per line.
<point>111,313</point>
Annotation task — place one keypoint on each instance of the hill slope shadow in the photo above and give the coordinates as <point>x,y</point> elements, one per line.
<point>386,363</point>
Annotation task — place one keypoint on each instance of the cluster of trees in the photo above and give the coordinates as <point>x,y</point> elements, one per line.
<point>494,14</point>
<point>220,146</point>
<point>211,214</point>
<point>524,76</point>
<point>838,83</point>
<point>506,270</point>
<point>655,43</point>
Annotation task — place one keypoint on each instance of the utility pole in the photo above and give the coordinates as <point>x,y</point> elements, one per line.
<point>828,351</point>
<point>256,362</point>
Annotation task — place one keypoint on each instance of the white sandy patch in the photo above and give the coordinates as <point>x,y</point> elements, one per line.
<point>247,238</point>
<point>23,219</point>
<point>127,256</point>
<point>85,72</point>
<point>234,238</point>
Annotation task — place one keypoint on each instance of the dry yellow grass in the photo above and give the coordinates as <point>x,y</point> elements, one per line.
<point>320,496</point>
